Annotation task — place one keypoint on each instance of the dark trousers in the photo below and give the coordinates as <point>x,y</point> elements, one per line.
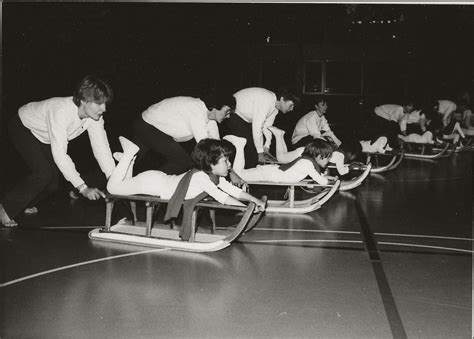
<point>176,155</point>
<point>44,174</point>
<point>414,128</point>
<point>307,139</point>
<point>301,143</point>
<point>379,126</point>
<point>235,125</point>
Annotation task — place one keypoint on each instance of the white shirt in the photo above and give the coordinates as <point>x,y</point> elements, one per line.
<point>55,121</point>
<point>310,124</point>
<point>200,182</point>
<point>467,119</point>
<point>182,118</point>
<point>272,173</point>
<point>446,108</point>
<point>390,112</point>
<point>257,106</point>
<point>164,185</point>
<point>413,117</point>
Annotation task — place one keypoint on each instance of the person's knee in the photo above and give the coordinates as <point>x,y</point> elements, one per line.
<point>427,137</point>
<point>112,188</point>
<point>52,182</point>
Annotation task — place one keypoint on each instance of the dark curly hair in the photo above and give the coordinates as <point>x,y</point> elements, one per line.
<point>207,152</point>
<point>287,94</point>
<point>318,147</point>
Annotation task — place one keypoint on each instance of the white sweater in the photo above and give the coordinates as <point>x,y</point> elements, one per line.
<point>257,106</point>
<point>182,118</point>
<point>310,124</point>
<point>446,107</point>
<point>390,112</point>
<point>56,121</point>
<point>413,117</point>
<point>164,185</point>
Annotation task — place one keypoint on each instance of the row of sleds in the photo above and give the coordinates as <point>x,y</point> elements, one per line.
<point>288,198</point>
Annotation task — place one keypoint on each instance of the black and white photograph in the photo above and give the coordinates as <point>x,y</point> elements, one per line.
<point>245,169</point>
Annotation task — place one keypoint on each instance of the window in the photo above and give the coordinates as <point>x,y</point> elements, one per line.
<point>313,76</point>
<point>332,77</point>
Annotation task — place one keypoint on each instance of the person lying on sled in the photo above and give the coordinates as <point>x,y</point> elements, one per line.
<point>467,118</point>
<point>339,157</point>
<point>313,160</point>
<point>432,130</point>
<point>211,159</point>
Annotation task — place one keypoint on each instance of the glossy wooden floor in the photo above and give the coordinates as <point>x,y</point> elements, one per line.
<point>391,259</point>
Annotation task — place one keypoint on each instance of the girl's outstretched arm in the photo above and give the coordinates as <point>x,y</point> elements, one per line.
<point>248,197</point>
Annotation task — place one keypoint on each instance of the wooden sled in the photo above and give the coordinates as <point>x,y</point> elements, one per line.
<point>147,235</point>
<point>379,166</point>
<point>292,206</point>
<point>356,181</point>
<point>467,147</point>
<point>427,151</point>
<point>357,174</point>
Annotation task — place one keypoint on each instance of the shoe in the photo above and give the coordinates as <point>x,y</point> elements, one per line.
<point>31,210</point>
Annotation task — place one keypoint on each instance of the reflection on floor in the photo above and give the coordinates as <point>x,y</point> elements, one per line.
<point>392,258</point>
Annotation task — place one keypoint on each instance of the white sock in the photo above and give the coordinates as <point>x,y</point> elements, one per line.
<point>235,140</point>
<point>128,146</point>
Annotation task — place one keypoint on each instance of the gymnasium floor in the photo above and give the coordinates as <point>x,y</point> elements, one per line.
<point>393,258</point>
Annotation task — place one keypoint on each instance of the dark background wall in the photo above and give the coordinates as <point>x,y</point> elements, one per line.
<point>150,51</point>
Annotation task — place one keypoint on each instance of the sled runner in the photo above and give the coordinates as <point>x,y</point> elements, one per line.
<point>298,206</point>
<point>146,234</point>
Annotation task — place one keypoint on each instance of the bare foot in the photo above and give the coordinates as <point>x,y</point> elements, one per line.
<point>5,219</point>
<point>31,210</point>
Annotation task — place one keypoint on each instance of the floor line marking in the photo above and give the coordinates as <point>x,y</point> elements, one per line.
<point>425,246</point>
<point>435,302</point>
<point>424,236</point>
<point>67,227</point>
<point>306,240</point>
<point>299,230</point>
<point>388,301</point>
<point>62,268</point>
<point>303,230</point>
<point>429,179</point>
